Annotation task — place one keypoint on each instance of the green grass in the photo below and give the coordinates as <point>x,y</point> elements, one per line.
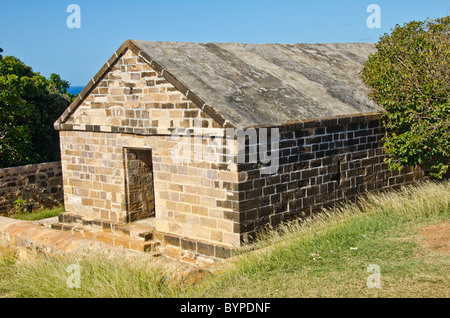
<point>325,256</point>
<point>100,277</point>
<point>317,258</point>
<point>39,214</point>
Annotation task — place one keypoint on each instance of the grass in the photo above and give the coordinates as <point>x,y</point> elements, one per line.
<point>328,256</point>
<point>39,214</point>
<point>325,256</point>
<point>100,277</point>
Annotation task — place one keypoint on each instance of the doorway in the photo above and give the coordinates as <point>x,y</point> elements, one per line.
<point>139,184</point>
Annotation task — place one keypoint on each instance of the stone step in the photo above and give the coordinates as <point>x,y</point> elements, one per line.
<point>141,230</point>
<point>110,237</point>
<point>75,219</point>
<point>138,230</point>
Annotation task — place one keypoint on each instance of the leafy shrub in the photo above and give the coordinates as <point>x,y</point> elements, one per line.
<point>20,205</point>
<point>29,105</point>
<point>409,76</point>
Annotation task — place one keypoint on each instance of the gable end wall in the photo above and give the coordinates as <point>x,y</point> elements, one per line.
<point>133,106</point>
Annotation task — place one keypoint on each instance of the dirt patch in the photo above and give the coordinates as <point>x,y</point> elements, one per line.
<point>437,237</point>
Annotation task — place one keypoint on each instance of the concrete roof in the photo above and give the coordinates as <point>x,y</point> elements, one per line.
<point>258,84</point>
<point>245,85</point>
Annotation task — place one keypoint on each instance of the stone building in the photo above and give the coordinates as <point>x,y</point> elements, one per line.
<point>305,103</point>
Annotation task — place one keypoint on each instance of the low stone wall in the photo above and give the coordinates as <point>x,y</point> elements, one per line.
<point>40,185</point>
<point>27,238</point>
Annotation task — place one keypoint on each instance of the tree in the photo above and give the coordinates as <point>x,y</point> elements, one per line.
<point>29,105</point>
<point>409,76</point>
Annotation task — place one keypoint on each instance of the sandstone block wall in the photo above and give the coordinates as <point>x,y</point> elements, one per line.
<point>38,184</point>
<point>133,107</point>
<point>134,98</point>
<point>189,200</point>
<point>322,162</point>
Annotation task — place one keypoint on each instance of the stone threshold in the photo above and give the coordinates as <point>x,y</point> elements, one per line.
<point>28,236</point>
<point>136,230</point>
<point>110,238</point>
<point>142,236</point>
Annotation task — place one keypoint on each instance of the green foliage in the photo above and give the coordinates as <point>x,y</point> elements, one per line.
<point>409,76</point>
<point>20,205</point>
<point>29,105</point>
<point>38,214</point>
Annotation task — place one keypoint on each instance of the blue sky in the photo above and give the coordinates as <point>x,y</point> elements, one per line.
<point>36,31</point>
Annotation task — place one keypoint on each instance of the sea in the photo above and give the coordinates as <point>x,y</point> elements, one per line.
<point>75,89</point>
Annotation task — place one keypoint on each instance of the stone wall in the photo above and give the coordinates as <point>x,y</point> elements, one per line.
<point>134,107</point>
<point>38,184</point>
<point>134,98</point>
<point>322,162</point>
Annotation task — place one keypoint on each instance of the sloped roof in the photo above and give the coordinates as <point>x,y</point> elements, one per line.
<point>261,84</point>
